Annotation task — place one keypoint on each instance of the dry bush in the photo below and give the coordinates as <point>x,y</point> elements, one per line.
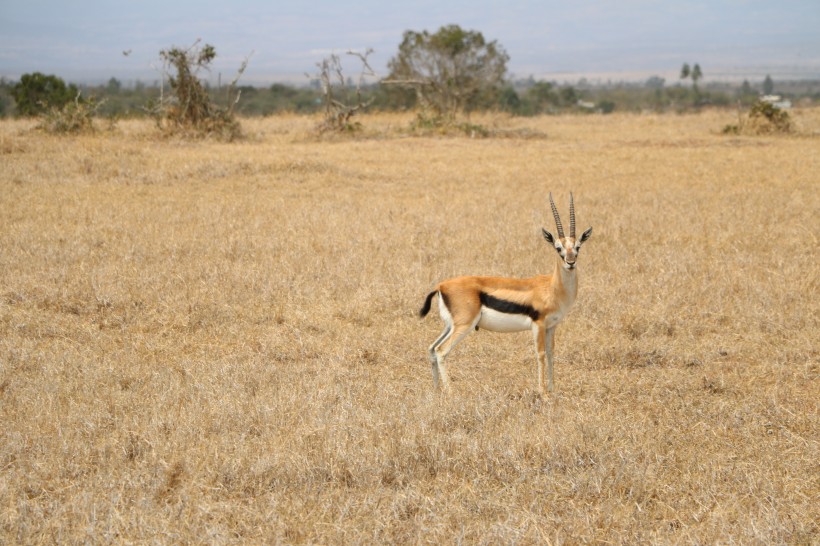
<point>763,118</point>
<point>74,117</point>
<point>189,111</point>
<point>212,343</point>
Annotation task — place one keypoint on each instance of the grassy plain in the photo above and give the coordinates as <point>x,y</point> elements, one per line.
<point>207,342</point>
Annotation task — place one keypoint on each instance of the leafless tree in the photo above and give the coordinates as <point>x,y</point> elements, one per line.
<point>341,104</point>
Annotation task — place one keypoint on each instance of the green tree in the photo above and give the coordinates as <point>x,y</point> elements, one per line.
<point>655,82</point>
<point>569,96</point>
<point>768,85</point>
<point>542,96</point>
<point>449,70</point>
<point>37,93</point>
<point>113,87</point>
<point>696,75</point>
<point>6,98</point>
<point>745,94</point>
<point>509,101</point>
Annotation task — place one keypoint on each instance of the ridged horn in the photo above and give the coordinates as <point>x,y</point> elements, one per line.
<point>557,218</point>
<point>571,217</point>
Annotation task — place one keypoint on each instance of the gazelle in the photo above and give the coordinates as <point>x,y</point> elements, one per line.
<point>502,304</point>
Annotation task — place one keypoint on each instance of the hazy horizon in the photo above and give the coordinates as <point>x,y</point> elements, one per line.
<point>87,42</point>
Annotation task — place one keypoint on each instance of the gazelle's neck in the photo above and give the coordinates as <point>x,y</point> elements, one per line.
<point>566,280</point>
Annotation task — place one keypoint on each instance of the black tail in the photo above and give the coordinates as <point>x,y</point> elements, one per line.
<point>426,309</point>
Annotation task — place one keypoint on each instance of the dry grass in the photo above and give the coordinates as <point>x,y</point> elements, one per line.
<point>206,342</point>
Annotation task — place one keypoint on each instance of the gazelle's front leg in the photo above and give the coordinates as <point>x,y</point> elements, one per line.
<point>539,336</point>
<point>550,343</point>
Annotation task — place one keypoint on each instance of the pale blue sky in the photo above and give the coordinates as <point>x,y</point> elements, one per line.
<point>83,40</point>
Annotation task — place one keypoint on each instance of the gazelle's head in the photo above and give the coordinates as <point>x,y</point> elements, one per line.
<point>567,247</point>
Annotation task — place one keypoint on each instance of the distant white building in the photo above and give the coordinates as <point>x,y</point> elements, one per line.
<point>777,101</point>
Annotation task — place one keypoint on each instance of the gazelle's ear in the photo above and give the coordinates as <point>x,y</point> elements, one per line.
<point>586,235</point>
<point>548,236</point>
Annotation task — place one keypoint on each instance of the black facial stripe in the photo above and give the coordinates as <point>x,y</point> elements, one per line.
<point>509,307</point>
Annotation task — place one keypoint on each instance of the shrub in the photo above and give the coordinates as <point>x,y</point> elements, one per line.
<point>606,106</point>
<point>438,125</point>
<point>190,110</point>
<point>72,118</point>
<point>763,118</point>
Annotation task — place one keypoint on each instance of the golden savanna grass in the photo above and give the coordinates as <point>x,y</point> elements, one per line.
<point>210,342</point>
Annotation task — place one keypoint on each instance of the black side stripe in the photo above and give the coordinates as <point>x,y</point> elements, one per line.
<point>509,307</point>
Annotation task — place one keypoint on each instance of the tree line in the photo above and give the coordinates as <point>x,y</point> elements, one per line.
<point>441,75</point>
<point>524,97</point>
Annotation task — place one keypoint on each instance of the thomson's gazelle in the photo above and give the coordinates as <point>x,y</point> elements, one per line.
<point>501,304</point>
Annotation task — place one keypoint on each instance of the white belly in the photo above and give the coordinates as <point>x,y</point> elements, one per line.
<point>496,321</point>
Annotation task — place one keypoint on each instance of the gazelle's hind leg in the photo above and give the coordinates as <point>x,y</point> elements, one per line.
<point>440,350</point>
<point>456,327</point>
<point>431,355</point>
